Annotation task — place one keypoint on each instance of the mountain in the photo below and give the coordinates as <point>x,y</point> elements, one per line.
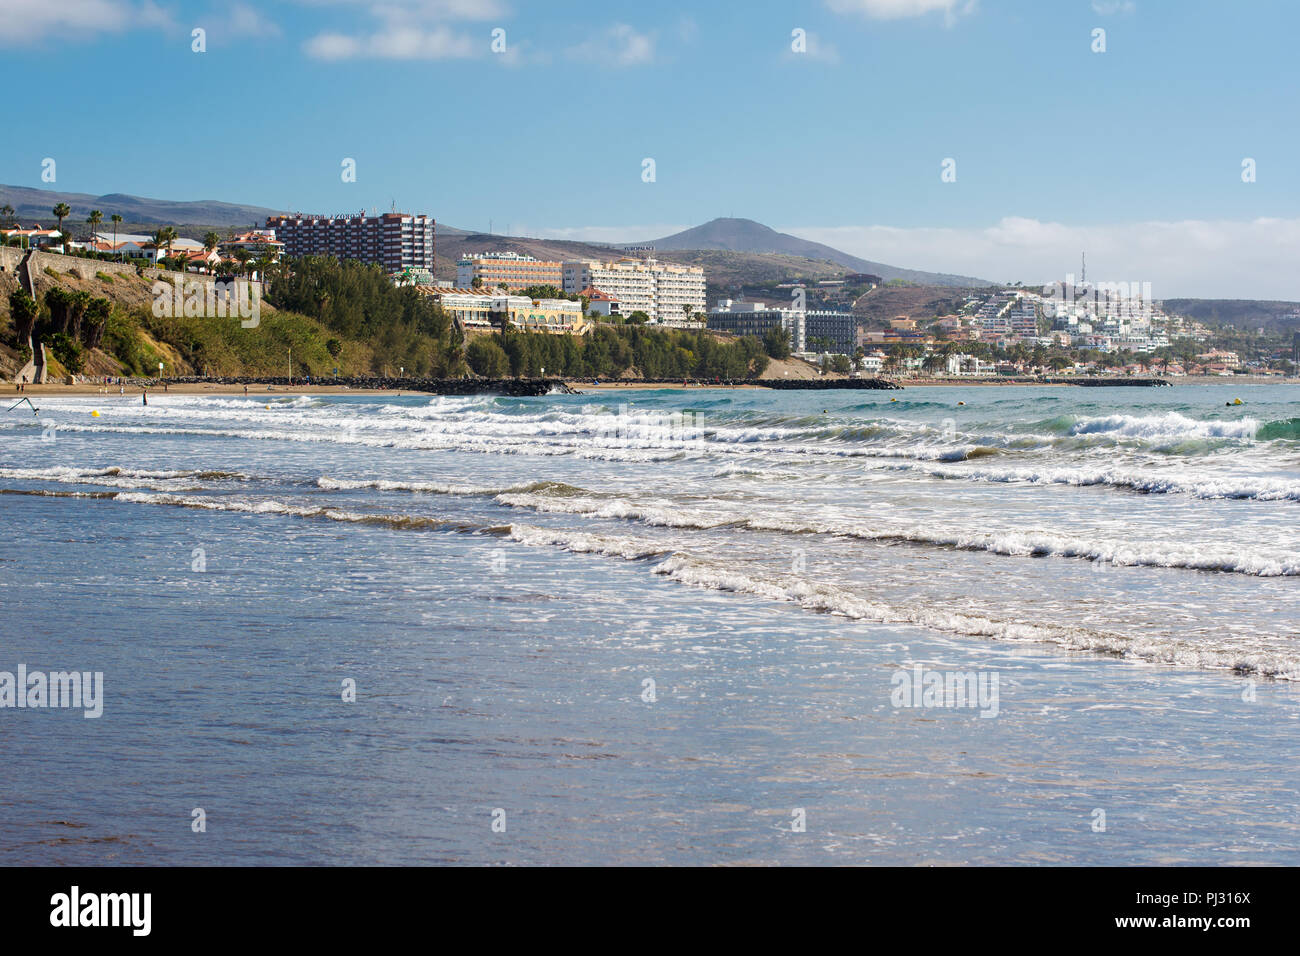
<point>746,235</point>
<point>34,205</point>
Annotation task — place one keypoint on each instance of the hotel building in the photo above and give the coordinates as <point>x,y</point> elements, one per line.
<point>839,329</point>
<point>394,240</point>
<point>753,318</point>
<point>476,309</point>
<point>506,270</point>
<point>663,291</point>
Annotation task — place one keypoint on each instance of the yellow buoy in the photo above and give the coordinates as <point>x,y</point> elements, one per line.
<point>95,413</point>
<point>961,403</point>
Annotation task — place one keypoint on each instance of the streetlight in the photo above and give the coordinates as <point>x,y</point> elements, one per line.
<point>160,366</point>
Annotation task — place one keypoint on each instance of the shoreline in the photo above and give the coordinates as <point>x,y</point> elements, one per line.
<point>578,385</point>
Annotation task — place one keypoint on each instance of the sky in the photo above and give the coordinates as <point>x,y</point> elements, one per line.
<point>993,138</point>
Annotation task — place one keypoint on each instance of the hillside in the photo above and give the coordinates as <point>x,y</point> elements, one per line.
<point>748,236</point>
<point>1248,314</point>
<point>363,325</point>
<point>881,304</point>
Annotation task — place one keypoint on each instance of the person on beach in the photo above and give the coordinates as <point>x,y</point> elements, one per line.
<point>144,397</point>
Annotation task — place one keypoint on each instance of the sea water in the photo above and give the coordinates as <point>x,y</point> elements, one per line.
<point>657,626</point>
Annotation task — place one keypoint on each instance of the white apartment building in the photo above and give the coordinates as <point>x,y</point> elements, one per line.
<point>662,291</point>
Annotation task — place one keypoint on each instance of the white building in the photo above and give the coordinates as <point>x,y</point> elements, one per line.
<point>754,318</point>
<point>662,291</point>
<point>476,309</point>
<point>969,365</point>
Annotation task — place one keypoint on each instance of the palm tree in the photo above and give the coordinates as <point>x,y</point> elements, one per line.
<point>210,241</point>
<point>116,219</point>
<point>62,211</point>
<point>93,220</point>
<point>162,239</point>
<point>8,212</point>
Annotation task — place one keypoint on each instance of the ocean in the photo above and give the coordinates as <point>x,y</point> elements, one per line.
<point>657,626</point>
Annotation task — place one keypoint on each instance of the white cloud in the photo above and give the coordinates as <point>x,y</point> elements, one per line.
<point>428,11</point>
<point>395,43</point>
<point>407,30</point>
<point>902,9</point>
<point>243,20</point>
<point>1211,259</point>
<point>620,45</point>
<point>26,21</point>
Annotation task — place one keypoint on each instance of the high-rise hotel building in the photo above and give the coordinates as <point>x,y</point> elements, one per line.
<point>662,291</point>
<point>394,240</point>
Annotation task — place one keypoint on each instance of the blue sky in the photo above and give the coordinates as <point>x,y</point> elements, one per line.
<point>1135,153</point>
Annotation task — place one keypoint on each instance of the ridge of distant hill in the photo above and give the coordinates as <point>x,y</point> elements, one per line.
<point>35,205</point>
<point>748,236</point>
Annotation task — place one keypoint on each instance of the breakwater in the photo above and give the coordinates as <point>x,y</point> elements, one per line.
<point>1106,382</point>
<point>878,384</point>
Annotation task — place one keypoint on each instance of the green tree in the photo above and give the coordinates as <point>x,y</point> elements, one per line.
<point>62,211</point>
<point>487,358</point>
<point>96,320</point>
<point>776,341</point>
<point>68,352</point>
<point>25,311</point>
<point>116,222</point>
<point>93,220</point>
